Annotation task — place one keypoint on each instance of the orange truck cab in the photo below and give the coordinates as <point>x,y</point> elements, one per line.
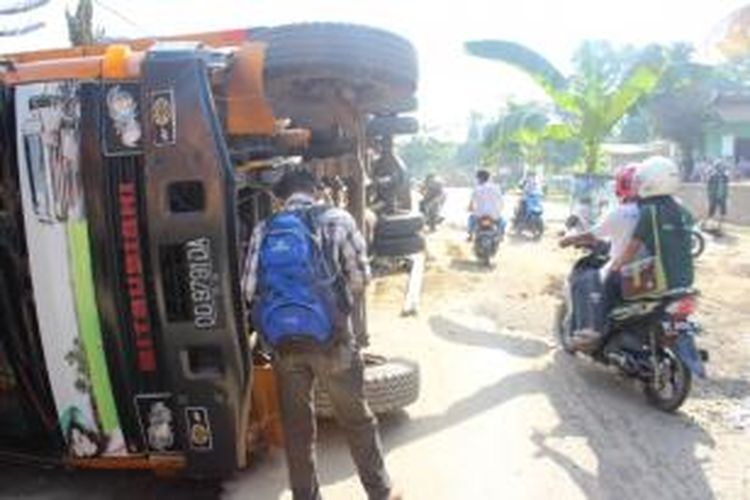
<point>130,177</point>
<point>125,342</point>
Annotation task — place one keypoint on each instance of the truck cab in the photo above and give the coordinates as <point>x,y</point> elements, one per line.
<point>131,176</point>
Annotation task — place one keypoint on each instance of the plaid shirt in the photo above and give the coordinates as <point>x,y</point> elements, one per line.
<point>340,236</point>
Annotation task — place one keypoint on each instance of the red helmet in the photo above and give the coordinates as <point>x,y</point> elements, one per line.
<point>625,187</point>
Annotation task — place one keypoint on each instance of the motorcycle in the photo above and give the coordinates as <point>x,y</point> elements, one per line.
<point>528,216</point>
<point>486,239</point>
<point>432,211</point>
<point>652,341</point>
<point>697,242</point>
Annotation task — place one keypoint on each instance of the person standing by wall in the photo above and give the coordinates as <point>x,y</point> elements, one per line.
<point>718,194</point>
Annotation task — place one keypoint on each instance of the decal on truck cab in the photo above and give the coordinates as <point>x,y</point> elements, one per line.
<point>163,118</point>
<point>136,285</point>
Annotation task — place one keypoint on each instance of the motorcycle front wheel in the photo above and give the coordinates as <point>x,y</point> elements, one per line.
<point>564,328</point>
<point>697,244</point>
<point>537,228</point>
<point>673,386</point>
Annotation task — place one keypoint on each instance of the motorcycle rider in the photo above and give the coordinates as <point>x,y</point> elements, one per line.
<point>597,292</point>
<point>486,201</point>
<point>664,227</point>
<point>530,186</point>
<point>432,193</point>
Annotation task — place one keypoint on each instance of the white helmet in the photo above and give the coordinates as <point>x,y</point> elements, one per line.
<point>657,176</point>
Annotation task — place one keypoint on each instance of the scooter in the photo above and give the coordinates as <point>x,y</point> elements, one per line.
<point>432,211</point>
<point>652,341</point>
<point>528,216</point>
<point>697,242</point>
<point>487,239</point>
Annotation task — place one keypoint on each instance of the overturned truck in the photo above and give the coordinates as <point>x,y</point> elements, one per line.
<point>131,176</point>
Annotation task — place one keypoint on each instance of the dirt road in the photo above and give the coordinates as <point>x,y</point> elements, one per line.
<point>505,414</point>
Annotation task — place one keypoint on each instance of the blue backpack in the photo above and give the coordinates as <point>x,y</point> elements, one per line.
<point>297,285</point>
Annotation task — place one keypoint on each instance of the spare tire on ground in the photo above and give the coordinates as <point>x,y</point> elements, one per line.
<point>379,66</point>
<point>398,247</point>
<point>390,385</point>
<point>398,225</point>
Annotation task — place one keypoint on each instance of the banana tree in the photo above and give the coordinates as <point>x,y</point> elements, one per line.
<point>591,102</point>
<point>524,131</point>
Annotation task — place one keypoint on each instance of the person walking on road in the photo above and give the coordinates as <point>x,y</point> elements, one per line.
<point>304,268</point>
<point>718,194</point>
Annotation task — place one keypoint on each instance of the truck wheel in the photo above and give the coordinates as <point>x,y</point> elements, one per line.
<point>398,247</point>
<point>390,385</point>
<point>379,66</point>
<point>400,225</point>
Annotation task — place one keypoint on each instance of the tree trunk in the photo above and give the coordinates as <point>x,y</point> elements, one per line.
<point>592,150</point>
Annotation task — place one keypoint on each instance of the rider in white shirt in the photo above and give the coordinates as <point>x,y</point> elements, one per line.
<point>486,201</point>
<point>601,291</point>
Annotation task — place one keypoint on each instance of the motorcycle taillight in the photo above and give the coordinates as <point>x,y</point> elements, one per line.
<point>682,308</point>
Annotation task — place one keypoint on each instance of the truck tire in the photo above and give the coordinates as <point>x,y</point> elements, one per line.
<point>392,125</point>
<point>390,385</point>
<point>379,66</point>
<point>400,225</point>
<point>398,247</point>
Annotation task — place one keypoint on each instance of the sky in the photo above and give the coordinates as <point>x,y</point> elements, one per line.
<point>452,84</point>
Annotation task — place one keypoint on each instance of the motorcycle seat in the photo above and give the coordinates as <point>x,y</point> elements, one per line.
<point>643,307</point>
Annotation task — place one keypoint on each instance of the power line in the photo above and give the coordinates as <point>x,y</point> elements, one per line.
<point>20,7</point>
<point>22,30</point>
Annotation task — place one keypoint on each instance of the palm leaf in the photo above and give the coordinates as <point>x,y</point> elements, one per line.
<point>560,132</point>
<point>641,81</point>
<point>532,63</point>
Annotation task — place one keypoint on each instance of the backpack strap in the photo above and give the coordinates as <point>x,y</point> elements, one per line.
<point>332,270</point>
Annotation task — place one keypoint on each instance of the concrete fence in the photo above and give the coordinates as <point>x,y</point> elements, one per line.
<point>695,197</point>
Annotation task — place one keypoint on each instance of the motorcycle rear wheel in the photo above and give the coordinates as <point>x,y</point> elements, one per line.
<point>697,244</point>
<point>537,228</point>
<point>675,387</point>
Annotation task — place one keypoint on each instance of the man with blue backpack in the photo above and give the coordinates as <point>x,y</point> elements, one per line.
<point>305,267</point>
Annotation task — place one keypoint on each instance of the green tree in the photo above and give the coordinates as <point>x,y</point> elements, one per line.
<point>681,105</point>
<point>527,132</point>
<point>424,154</point>
<point>590,101</point>
<point>469,153</point>
<point>81,25</point>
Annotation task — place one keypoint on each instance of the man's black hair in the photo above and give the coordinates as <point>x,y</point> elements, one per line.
<point>483,176</point>
<point>295,181</point>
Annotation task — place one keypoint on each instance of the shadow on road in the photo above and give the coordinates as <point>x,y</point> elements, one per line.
<point>516,345</point>
<point>724,388</point>
<point>640,452</point>
<point>60,484</point>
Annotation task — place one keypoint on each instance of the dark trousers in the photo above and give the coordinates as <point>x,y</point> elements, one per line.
<point>593,299</point>
<point>587,301</point>
<point>341,372</point>
<point>715,205</point>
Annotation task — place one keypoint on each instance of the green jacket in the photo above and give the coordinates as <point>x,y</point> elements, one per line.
<point>718,186</point>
